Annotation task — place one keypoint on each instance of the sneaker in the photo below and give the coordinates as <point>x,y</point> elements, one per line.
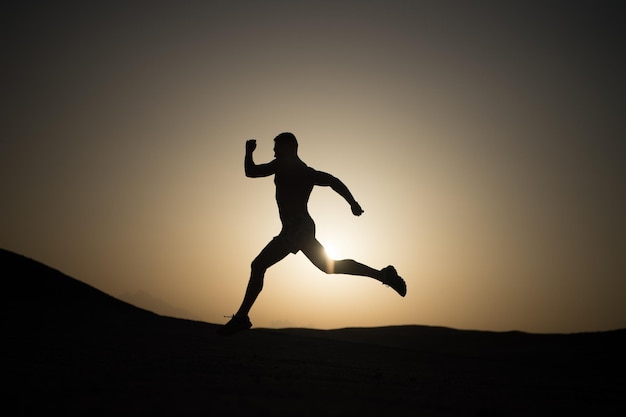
<point>234,325</point>
<point>393,280</point>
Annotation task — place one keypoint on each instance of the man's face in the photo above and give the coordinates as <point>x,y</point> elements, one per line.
<point>279,151</point>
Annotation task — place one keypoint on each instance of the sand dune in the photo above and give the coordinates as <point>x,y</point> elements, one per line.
<point>73,349</point>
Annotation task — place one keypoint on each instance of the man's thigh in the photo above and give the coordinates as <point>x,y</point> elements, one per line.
<point>273,252</point>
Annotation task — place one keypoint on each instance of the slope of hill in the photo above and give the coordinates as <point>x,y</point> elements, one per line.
<point>42,294</point>
<point>147,301</point>
<point>75,350</point>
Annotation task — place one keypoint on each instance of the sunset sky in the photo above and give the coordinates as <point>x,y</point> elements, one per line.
<point>484,140</point>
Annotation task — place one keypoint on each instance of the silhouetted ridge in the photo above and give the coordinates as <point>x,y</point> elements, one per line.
<point>34,291</point>
<point>474,342</point>
<point>74,350</point>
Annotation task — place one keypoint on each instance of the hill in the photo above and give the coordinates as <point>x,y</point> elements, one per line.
<point>75,350</point>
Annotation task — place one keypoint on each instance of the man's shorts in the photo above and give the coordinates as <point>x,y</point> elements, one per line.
<point>297,231</point>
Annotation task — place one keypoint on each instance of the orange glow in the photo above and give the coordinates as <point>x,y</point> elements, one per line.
<point>487,165</point>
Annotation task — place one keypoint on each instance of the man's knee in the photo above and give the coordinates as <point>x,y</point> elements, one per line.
<point>258,267</point>
<point>327,265</point>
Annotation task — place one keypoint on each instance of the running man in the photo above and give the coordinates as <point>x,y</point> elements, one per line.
<point>294,182</point>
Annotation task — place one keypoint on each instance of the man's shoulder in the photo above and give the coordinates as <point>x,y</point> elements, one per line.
<point>293,166</point>
<point>314,173</point>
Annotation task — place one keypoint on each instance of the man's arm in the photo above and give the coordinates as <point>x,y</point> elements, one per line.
<point>327,180</point>
<point>253,170</point>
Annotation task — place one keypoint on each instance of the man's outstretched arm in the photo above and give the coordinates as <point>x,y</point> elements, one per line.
<point>325,179</point>
<point>253,170</point>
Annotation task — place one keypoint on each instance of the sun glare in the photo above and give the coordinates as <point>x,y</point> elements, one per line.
<point>331,251</point>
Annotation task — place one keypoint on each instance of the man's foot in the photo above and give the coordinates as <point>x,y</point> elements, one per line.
<point>234,325</point>
<point>391,278</point>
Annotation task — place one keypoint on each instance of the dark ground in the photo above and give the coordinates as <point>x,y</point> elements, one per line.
<point>73,350</point>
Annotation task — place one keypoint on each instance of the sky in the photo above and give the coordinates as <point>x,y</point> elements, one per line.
<point>484,140</point>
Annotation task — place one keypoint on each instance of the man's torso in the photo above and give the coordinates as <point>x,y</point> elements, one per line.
<point>294,182</point>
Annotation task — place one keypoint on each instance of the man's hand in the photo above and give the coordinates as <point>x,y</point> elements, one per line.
<point>356,209</point>
<point>250,145</point>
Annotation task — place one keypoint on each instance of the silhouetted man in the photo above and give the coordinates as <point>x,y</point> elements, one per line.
<point>294,182</point>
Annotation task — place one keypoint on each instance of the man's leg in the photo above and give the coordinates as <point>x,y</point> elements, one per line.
<point>316,254</point>
<point>272,253</point>
<point>388,275</point>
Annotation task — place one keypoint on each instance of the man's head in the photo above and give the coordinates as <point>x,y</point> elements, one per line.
<point>285,144</point>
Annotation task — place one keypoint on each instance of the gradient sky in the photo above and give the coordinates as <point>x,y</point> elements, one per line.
<point>484,140</point>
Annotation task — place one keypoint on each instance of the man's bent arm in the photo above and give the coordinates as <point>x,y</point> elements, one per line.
<point>325,179</point>
<point>253,170</point>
